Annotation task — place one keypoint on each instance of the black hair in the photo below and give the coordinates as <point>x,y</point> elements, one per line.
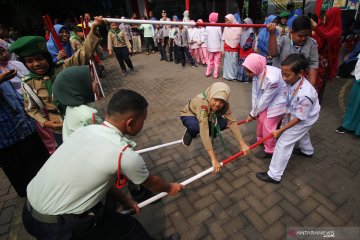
<point>301,23</point>
<point>145,17</point>
<point>78,29</point>
<point>125,101</point>
<point>48,58</point>
<point>297,62</point>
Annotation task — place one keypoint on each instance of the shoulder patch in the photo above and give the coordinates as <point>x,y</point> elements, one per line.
<point>204,111</point>
<point>26,78</point>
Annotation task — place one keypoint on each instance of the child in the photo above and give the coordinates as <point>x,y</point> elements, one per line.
<point>268,99</point>
<point>64,37</point>
<point>37,86</point>
<point>172,50</point>
<point>202,45</point>
<point>158,40</point>
<point>118,42</point>
<point>194,40</point>
<point>282,27</point>
<point>182,40</point>
<point>148,36</point>
<point>210,108</point>
<point>78,39</point>
<point>302,111</point>
<point>213,42</point>
<point>246,48</point>
<point>230,38</point>
<point>75,89</point>
<point>299,41</point>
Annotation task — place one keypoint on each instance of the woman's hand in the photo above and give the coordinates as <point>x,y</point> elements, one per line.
<point>245,148</point>
<point>62,54</point>
<point>271,27</point>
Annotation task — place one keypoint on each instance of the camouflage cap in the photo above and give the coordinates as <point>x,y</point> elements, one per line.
<point>29,45</point>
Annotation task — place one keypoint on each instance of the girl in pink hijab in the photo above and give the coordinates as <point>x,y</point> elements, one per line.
<point>268,99</point>
<point>213,42</point>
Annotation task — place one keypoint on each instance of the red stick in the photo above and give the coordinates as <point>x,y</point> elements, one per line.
<point>241,122</point>
<point>87,26</point>
<point>82,26</point>
<point>51,29</point>
<point>229,159</point>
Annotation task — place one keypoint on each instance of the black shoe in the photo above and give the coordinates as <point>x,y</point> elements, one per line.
<point>174,236</point>
<point>204,65</point>
<point>162,59</point>
<point>132,71</point>
<point>187,138</point>
<point>297,151</point>
<point>183,66</point>
<point>194,66</point>
<point>263,154</point>
<point>263,176</point>
<point>340,130</point>
<point>171,60</point>
<point>124,73</point>
<point>177,62</point>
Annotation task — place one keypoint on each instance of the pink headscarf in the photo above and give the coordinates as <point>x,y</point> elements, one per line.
<point>255,63</point>
<point>213,17</point>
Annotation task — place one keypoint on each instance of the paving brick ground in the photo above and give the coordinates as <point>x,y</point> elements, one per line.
<point>318,191</point>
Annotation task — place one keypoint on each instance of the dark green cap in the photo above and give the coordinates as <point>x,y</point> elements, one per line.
<point>29,45</point>
<point>284,14</point>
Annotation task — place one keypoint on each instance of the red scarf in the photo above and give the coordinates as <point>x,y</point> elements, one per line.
<point>328,35</point>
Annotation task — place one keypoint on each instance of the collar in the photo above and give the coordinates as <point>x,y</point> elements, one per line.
<point>296,84</point>
<point>109,125</point>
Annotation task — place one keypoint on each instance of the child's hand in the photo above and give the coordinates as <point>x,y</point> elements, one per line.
<point>62,54</point>
<point>249,119</point>
<point>245,148</point>
<point>216,166</point>
<point>276,133</point>
<point>98,21</point>
<point>110,52</point>
<point>55,125</point>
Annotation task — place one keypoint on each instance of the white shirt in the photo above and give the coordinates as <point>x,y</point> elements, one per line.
<point>305,104</point>
<point>194,37</point>
<point>270,94</point>
<point>77,117</point>
<point>82,170</point>
<point>213,39</point>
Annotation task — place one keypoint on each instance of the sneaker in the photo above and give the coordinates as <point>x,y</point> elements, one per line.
<point>183,66</point>
<point>297,151</point>
<point>340,130</point>
<point>153,51</point>
<point>204,65</point>
<point>187,138</point>
<point>263,155</point>
<point>147,53</point>
<point>124,73</point>
<point>132,71</point>
<point>193,66</point>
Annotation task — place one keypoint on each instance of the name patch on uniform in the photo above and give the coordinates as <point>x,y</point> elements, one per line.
<point>204,111</point>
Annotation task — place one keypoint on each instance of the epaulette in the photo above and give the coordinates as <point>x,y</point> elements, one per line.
<point>25,79</point>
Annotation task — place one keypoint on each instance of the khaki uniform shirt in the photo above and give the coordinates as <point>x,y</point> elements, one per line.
<point>81,57</point>
<point>114,42</point>
<point>76,44</point>
<point>200,108</point>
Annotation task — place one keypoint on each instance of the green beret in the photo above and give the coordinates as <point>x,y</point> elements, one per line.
<point>29,45</point>
<point>284,14</point>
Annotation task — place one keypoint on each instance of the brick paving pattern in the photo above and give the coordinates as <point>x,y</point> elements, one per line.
<point>234,204</point>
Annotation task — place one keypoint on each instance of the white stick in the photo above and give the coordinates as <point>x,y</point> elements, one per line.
<point>136,21</point>
<point>158,146</point>
<point>163,194</point>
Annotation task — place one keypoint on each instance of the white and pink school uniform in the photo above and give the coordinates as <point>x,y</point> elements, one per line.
<point>194,40</point>
<point>203,46</point>
<point>268,103</point>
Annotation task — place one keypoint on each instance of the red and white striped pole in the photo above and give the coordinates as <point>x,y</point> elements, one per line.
<point>200,175</point>
<point>136,21</point>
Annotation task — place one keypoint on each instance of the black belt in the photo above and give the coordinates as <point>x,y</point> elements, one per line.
<point>49,218</point>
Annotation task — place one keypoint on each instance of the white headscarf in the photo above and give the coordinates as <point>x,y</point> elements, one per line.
<point>231,35</point>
